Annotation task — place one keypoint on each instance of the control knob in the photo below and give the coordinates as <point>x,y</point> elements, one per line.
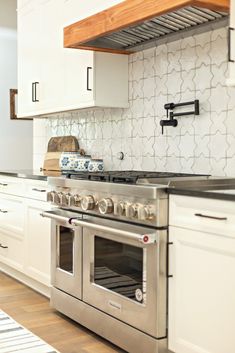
<point>68,198</point>
<point>105,206</point>
<point>62,198</point>
<point>120,208</point>
<point>132,211</point>
<point>145,212</point>
<point>75,200</point>
<point>51,196</point>
<point>88,203</point>
<point>56,199</point>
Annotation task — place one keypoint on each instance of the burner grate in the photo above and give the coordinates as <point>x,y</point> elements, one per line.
<point>124,177</point>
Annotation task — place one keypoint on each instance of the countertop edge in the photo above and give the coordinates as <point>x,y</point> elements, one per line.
<point>23,175</point>
<point>202,194</point>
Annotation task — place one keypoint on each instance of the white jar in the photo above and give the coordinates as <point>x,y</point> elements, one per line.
<point>81,164</point>
<point>67,160</point>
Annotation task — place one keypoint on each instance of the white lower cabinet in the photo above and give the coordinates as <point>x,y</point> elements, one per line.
<point>201,291</point>
<point>38,242</point>
<point>12,214</point>
<point>12,250</point>
<point>25,244</point>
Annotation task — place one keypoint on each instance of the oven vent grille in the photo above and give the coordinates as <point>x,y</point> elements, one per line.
<point>174,22</point>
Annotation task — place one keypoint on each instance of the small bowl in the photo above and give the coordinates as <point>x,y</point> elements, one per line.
<point>96,165</point>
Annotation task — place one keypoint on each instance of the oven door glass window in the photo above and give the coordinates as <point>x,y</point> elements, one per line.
<point>120,268</point>
<point>65,249</point>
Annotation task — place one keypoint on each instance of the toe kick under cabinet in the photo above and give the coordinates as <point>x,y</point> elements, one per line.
<point>52,78</point>
<point>24,234</point>
<point>202,265</point>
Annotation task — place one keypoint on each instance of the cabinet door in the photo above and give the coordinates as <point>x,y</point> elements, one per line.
<point>29,58</point>
<point>38,240</point>
<point>78,87</point>
<point>51,79</point>
<point>12,250</point>
<point>201,292</point>
<point>12,215</point>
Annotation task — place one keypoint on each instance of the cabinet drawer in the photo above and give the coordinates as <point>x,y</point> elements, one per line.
<point>12,186</point>
<point>207,215</point>
<point>12,214</point>
<point>11,251</point>
<point>37,190</point>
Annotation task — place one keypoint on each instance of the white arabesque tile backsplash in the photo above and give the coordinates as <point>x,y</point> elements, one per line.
<point>192,68</point>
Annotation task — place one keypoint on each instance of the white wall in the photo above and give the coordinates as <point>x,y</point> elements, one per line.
<point>16,140</point>
<point>195,67</point>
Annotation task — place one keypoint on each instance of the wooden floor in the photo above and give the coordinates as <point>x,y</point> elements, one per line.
<point>32,310</point>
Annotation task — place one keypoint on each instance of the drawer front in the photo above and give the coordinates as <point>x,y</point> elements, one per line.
<point>37,190</point>
<point>11,251</point>
<point>206,215</point>
<point>12,186</point>
<point>12,214</point>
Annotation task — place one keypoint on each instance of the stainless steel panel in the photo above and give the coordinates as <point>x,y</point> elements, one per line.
<point>147,192</point>
<point>121,334</point>
<point>138,315</point>
<point>131,38</point>
<point>69,282</point>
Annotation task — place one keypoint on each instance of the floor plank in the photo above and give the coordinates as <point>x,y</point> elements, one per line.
<point>32,310</point>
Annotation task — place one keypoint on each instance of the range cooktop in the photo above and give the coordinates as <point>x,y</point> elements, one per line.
<point>127,176</point>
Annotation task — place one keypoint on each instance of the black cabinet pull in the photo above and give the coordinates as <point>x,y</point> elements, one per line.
<point>88,78</point>
<point>34,92</point>
<point>210,217</point>
<point>168,245</point>
<point>36,83</point>
<point>33,99</point>
<point>38,190</point>
<point>3,247</point>
<point>230,29</point>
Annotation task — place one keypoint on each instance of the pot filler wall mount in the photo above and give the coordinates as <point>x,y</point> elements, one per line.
<point>169,112</point>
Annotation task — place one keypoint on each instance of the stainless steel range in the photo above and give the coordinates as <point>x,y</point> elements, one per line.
<point>109,255</point>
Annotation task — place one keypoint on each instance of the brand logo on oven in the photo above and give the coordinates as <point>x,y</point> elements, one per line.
<point>139,295</point>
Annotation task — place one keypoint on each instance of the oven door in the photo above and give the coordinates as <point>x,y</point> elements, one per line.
<point>66,255</point>
<point>124,273</point>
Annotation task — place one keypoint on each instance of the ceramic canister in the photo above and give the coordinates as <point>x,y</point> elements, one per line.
<point>96,165</point>
<point>81,164</point>
<point>68,159</point>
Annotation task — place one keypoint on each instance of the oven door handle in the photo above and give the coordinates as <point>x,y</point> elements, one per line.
<point>54,217</point>
<point>144,239</point>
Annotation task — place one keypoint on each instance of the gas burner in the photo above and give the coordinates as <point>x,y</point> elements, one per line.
<point>124,177</point>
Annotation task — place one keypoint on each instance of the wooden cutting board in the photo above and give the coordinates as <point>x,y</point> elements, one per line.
<point>52,161</point>
<point>63,144</point>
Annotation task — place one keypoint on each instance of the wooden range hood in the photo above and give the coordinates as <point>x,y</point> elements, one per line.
<point>123,28</point>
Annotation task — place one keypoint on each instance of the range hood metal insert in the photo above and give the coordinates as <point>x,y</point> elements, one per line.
<point>129,38</point>
<point>125,39</point>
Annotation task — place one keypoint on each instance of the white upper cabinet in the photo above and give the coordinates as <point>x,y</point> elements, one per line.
<point>28,56</point>
<point>231,54</point>
<point>52,78</point>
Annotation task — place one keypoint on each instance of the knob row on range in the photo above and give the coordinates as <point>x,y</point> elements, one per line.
<point>105,206</point>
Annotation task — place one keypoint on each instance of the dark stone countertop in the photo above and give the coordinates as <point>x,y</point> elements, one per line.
<point>218,194</point>
<point>29,174</point>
